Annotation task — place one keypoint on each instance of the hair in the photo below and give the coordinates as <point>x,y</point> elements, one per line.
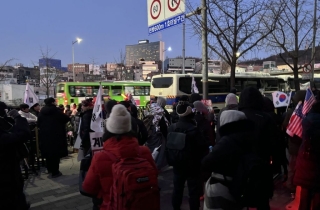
<point>61,106</point>
<point>233,90</point>
<point>109,105</point>
<point>79,107</point>
<point>34,105</point>
<point>24,106</point>
<point>125,104</point>
<point>49,101</point>
<point>195,97</point>
<point>68,106</point>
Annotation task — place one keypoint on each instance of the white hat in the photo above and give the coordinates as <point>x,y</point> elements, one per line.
<point>231,99</point>
<point>229,116</point>
<point>119,121</point>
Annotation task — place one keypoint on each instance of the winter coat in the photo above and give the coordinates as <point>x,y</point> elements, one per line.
<point>68,112</point>
<point>52,132</point>
<point>235,137</point>
<point>228,107</point>
<point>308,162</point>
<point>197,142</point>
<point>85,128</point>
<point>31,118</point>
<point>265,129</point>
<point>99,178</point>
<point>11,182</point>
<point>205,127</point>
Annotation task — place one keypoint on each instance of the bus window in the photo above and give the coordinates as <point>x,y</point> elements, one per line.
<point>270,84</point>
<point>139,91</point>
<point>238,84</point>
<point>163,82</point>
<point>105,90</point>
<point>147,91</point>
<point>83,91</point>
<point>185,84</point>
<point>116,90</point>
<point>218,85</point>
<point>252,83</point>
<point>128,90</point>
<point>60,88</point>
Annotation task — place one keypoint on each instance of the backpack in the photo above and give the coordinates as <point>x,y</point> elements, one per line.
<point>177,148</point>
<point>252,182</point>
<point>135,185</point>
<point>147,121</point>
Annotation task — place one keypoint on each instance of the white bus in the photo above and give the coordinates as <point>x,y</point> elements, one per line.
<point>304,82</point>
<point>173,86</point>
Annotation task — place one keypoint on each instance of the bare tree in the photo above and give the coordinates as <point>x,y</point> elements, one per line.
<point>49,75</point>
<point>234,28</point>
<point>290,39</point>
<point>121,70</point>
<point>3,72</point>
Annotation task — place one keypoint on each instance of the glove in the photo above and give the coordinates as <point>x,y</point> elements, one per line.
<point>13,113</point>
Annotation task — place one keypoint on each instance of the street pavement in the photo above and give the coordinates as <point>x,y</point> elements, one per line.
<point>62,193</point>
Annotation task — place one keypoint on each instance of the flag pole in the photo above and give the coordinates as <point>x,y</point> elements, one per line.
<point>289,101</point>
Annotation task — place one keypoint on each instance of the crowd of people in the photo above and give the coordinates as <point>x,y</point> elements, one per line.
<point>228,159</point>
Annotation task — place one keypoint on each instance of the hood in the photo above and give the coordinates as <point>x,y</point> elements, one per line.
<point>126,147</point>
<point>251,98</point>
<point>298,96</point>
<point>49,110</point>
<point>268,105</point>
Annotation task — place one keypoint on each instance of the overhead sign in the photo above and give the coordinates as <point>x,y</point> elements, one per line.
<point>163,14</point>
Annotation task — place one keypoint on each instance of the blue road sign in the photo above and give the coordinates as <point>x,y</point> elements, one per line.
<point>176,20</point>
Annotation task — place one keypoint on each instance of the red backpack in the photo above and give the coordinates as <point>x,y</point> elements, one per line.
<point>135,185</point>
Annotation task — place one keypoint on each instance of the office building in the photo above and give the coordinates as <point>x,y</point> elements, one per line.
<point>148,51</point>
<point>50,63</point>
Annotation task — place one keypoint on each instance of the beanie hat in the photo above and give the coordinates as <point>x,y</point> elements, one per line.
<point>49,101</point>
<point>161,102</point>
<point>200,107</point>
<point>119,121</point>
<point>229,116</point>
<point>231,99</point>
<point>183,109</point>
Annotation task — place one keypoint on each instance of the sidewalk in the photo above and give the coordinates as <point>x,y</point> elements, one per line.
<point>62,193</point>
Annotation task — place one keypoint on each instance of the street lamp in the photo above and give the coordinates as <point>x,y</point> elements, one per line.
<point>169,49</point>
<point>78,40</point>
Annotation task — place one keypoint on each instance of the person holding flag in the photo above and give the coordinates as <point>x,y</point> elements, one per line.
<point>30,97</point>
<point>85,126</point>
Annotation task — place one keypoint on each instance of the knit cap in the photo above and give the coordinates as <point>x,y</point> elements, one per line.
<point>231,99</point>
<point>119,121</point>
<point>229,116</point>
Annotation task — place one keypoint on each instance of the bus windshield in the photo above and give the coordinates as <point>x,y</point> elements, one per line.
<point>87,91</point>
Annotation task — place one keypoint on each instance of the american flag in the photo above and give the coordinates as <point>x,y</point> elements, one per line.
<point>309,100</point>
<point>295,123</point>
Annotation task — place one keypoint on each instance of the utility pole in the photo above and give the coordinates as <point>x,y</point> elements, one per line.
<point>313,53</point>
<point>204,50</point>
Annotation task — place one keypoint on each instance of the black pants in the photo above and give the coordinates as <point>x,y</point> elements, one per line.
<point>53,164</point>
<point>193,179</point>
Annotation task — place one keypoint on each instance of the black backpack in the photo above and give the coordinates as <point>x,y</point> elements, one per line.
<point>177,148</point>
<point>252,182</point>
<point>147,121</point>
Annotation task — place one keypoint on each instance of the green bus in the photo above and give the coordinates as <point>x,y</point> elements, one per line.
<point>75,92</point>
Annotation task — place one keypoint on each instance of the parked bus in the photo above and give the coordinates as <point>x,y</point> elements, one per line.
<point>304,82</point>
<point>173,86</point>
<point>75,92</point>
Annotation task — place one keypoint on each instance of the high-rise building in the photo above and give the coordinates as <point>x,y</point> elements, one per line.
<point>50,63</point>
<point>148,51</point>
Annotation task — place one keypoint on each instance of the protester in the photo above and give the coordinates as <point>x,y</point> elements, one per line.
<point>234,91</point>
<point>235,132</point>
<point>61,107</point>
<point>307,173</point>
<point>52,135</point>
<point>14,132</point>
<point>35,109</point>
<point>119,144</point>
<point>190,169</point>
<point>265,130</point>
<point>231,104</point>
<point>86,116</point>
<point>68,111</point>
<point>25,112</point>
<point>162,103</point>
<point>74,109</point>
<point>294,142</point>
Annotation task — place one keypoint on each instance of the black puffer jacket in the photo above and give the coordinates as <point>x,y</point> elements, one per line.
<point>265,130</point>
<point>85,128</point>
<point>235,137</point>
<point>11,182</point>
<point>308,163</point>
<point>52,131</point>
<point>194,139</point>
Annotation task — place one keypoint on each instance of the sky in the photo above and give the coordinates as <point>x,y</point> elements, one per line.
<point>30,29</point>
